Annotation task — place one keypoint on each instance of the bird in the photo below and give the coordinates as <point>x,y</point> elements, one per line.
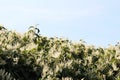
<point>2,28</point>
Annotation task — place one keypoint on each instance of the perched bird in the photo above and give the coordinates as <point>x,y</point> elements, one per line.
<point>1,27</point>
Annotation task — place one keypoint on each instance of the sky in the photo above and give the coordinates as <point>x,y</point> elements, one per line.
<point>97,22</point>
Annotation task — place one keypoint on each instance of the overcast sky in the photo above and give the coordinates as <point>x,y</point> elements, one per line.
<point>95,21</point>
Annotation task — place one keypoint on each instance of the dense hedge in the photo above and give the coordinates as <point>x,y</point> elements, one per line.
<point>30,56</point>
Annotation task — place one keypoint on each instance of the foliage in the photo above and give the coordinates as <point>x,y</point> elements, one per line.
<point>5,75</point>
<point>30,56</point>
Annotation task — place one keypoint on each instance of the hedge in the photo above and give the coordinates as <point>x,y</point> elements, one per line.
<point>31,56</point>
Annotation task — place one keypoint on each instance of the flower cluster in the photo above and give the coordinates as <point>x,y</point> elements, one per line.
<point>31,54</point>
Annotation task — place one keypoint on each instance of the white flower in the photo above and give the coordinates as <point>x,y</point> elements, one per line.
<point>31,46</point>
<point>114,67</point>
<point>56,54</point>
<point>117,55</point>
<point>16,60</point>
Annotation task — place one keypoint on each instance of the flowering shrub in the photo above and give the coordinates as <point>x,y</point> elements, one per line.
<point>30,56</point>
